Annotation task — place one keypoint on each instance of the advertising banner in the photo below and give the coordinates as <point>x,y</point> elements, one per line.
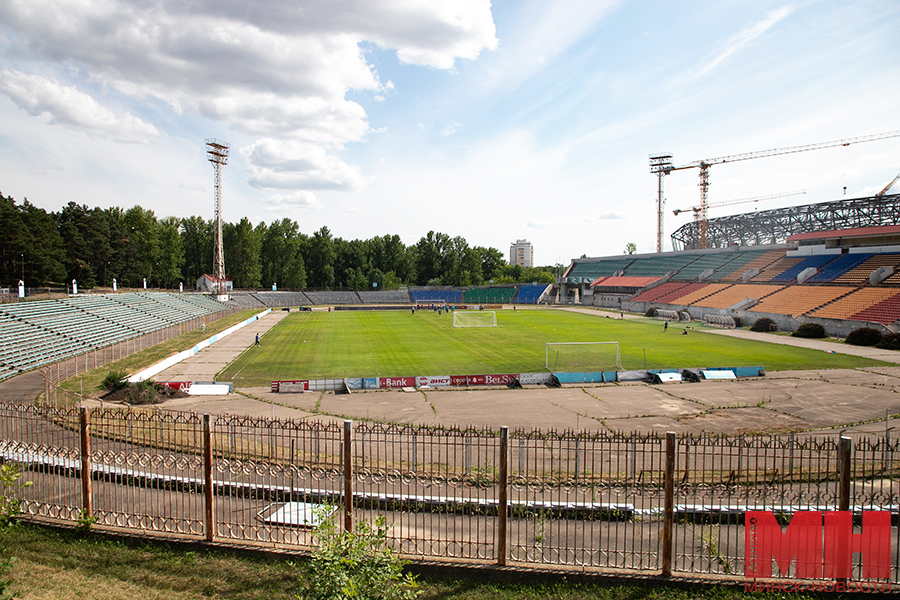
<point>397,382</point>
<point>433,381</point>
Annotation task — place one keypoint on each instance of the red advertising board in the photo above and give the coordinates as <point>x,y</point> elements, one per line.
<point>396,382</point>
<point>183,386</point>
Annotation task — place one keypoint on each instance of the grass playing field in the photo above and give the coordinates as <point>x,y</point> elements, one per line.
<point>398,343</point>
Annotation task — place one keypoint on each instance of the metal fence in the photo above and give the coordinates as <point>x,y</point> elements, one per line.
<point>645,504</point>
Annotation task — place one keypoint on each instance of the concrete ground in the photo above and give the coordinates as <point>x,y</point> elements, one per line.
<point>807,401</point>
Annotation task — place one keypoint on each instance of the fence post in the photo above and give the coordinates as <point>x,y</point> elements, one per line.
<point>87,504</point>
<point>669,509</point>
<point>845,449</point>
<point>207,478</point>
<point>348,476</point>
<point>503,500</point>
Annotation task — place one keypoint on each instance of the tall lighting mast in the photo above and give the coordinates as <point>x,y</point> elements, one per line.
<point>217,154</point>
<point>661,165</point>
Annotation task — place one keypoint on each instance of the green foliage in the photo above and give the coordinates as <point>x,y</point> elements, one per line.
<point>143,392</point>
<point>115,380</point>
<point>890,341</point>
<point>85,522</point>
<point>9,510</point>
<point>356,564</point>
<point>764,325</point>
<point>864,336</point>
<point>809,330</point>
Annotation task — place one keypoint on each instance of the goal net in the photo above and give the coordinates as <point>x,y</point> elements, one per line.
<point>582,357</point>
<point>474,318</point>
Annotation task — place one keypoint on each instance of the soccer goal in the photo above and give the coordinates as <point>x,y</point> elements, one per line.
<point>474,318</point>
<point>582,357</point>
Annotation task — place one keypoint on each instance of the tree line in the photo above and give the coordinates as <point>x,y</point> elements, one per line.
<point>95,246</point>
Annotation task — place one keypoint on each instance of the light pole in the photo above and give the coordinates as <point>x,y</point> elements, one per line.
<point>23,266</point>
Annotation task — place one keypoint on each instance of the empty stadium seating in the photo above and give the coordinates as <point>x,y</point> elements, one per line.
<point>489,295</point>
<point>602,268</point>
<point>706,289</point>
<point>657,266</point>
<point>886,311</point>
<point>838,267</point>
<point>860,274</point>
<point>429,295</point>
<point>776,268</point>
<point>333,297</point>
<point>660,292</point>
<point>800,299</point>
<point>857,302</point>
<point>530,294</point>
<point>385,297</point>
<point>760,260</point>
<point>791,273</point>
<point>731,295</point>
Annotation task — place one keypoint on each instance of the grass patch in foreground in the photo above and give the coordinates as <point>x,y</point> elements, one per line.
<point>61,564</point>
<point>398,343</point>
<point>137,362</point>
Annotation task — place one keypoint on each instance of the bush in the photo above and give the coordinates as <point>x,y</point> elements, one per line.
<point>356,564</point>
<point>9,510</point>
<point>890,341</point>
<point>143,392</point>
<point>809,330</point>
<point>115,380</point>
<point>765,324</point>
<point>738,322</point>
<point>864,336</point>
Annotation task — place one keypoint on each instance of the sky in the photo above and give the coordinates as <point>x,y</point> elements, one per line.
<point>517,119</point>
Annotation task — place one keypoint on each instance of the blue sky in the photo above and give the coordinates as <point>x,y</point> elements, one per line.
<point>496,122</point>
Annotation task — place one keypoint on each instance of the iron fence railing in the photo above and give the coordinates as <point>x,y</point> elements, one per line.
<point>640,503</point>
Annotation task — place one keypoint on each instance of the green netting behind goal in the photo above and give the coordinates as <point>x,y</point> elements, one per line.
<point>474,318</point>
<point>582,357</point>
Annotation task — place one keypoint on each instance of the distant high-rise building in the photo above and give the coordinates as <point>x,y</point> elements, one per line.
<point>521,253</point>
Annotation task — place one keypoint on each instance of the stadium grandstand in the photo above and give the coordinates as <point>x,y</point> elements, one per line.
<point>842,278</point>
<point>41,332</point>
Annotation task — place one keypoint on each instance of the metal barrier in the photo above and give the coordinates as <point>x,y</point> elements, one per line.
<point>649,504</point>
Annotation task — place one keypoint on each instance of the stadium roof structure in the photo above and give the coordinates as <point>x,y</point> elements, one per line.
<point>778,225</point>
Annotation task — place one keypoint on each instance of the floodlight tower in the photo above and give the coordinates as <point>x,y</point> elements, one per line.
<point>217,154</point>
<point>661,165</point>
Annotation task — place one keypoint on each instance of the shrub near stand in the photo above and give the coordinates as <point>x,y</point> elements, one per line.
<point>864,336</point>
<point>890,341</point>
<point>809,330</point>
<point>764,325</point>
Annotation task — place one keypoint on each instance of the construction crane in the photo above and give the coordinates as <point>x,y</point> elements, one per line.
<point>888,186</point>
<point>697,209</point>
<point>662,164</point>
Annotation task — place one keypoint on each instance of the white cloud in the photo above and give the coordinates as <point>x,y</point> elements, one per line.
<point>449,129</point>
<point>299,165</point>
<point>72,108</point>
<point>610,216</point>
<point>278,203</point>
<point>746,36</point>
<point>538,223</point>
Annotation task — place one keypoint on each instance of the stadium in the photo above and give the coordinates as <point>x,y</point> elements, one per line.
<point>624,417</point>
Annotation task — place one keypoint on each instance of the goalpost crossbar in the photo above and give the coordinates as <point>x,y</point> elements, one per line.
<point>582,356</point>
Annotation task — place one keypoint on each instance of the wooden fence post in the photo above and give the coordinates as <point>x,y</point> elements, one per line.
<point>845,449</point>
<point>503,500</point>
<point>209,493</point>
<point>87,504</point>
<point>669,509</point>
<point>348,476</point>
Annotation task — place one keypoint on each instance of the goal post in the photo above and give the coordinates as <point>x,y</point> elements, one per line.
<point>582,357</point>
<point>474,318</point>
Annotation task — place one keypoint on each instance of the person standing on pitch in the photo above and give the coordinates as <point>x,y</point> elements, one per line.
<point>257,339</point>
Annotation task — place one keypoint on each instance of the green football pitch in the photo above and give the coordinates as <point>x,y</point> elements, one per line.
<point>316,345</point>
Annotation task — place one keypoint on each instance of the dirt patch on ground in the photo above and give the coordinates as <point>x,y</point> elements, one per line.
<point>137,395</point>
